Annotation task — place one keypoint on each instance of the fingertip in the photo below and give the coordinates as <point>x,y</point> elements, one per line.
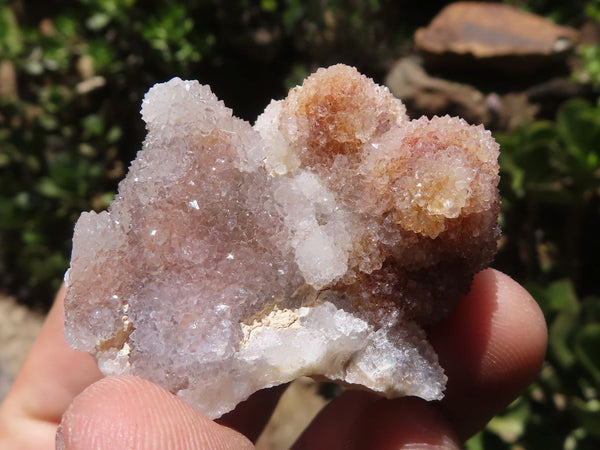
<point>492,346</point>
<point>520,334</point>
<point>403,423</point>
<point>359,420</point>
<point>331,428</point>
<point>129,412</point>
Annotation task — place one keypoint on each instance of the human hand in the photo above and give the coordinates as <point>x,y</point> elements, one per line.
<point>491,347</point>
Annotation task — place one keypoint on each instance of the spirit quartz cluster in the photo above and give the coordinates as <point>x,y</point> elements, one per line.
<point>317,242</point>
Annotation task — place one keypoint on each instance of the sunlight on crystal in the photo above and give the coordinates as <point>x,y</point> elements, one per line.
<point>319,241</point>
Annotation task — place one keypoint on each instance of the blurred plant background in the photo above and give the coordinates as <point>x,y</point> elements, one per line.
<point>72,76</point>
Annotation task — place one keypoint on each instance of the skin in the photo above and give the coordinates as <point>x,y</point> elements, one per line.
<point>492,346</point>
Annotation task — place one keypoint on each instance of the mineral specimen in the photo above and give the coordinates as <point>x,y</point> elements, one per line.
<point>317,242</point>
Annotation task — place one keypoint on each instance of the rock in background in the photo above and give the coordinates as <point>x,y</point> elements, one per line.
<point>488,63</point>
<point>468,36</point>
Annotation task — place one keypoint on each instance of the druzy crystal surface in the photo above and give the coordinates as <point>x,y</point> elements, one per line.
<point>317,242</point>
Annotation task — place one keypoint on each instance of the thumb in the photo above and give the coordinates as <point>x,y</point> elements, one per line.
<point>131,413</point>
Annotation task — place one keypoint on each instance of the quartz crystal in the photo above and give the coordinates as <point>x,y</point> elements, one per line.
<point>319,241</point>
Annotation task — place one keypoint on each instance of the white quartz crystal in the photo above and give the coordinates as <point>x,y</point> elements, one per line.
<point>317,242</point>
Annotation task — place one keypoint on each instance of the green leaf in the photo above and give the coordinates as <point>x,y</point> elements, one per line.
<point>97,21</point>
<point>561,296</point>
<point>22,200</point>
<point>104,57</point>
<point>48,122</point>
<point>11,42</point>
<point>559,335</point>
<point>590,309</point>
<point>4,160</point>
<point>48,188</point>
<point>106,198</point>
<point>292,14</point>
<point>588,415</point>
<point>297,75</point>
<point>114,134</point>
<point>268,5</point>
<point>31,237</point>
<point>67,26</point>
<point>578,124</point>
<point>587,349</point>
<point>93,124</point>
<point>510,426</point>
<point>476,442</point>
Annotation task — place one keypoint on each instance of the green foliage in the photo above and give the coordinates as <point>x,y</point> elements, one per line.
<point>566,13</point>
<point>10,39</point>
<point>592,10</point>
<point>72,125</point>
<point>551,210</point>
<point>590,53</point>
<point>562,408</point>
<point>551,188</point>
<point>590,71</point>
<point>51,167</point>
<point>169,32</point>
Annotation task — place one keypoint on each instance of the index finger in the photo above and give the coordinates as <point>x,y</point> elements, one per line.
<point>491,346</point>
<point>52,374</point>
